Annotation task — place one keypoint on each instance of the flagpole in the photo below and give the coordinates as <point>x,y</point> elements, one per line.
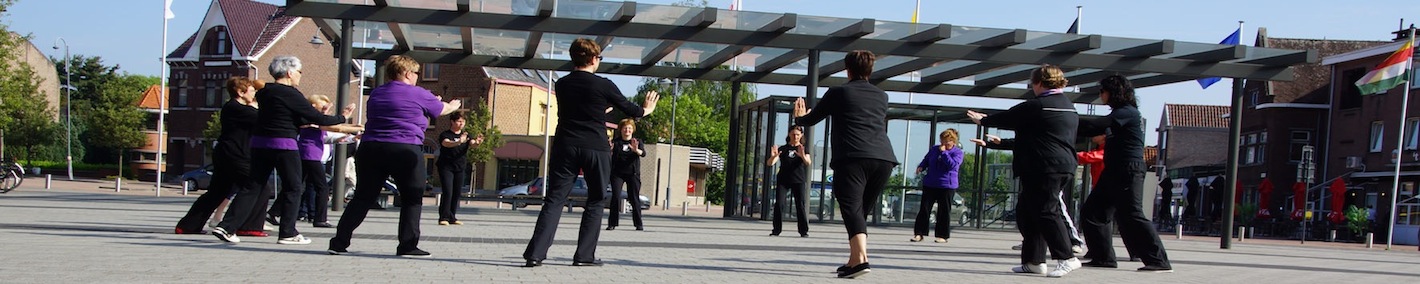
<point>1079,20</point>
<point>1400,143</point>
<point>162,103</point>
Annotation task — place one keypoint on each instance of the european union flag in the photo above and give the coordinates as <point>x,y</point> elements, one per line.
<point>1232,39</point>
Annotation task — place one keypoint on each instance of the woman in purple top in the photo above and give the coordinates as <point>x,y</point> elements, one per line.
<point>396,116</point>
<point>273,146</point>
<point>938,186</point>
<point>312,142</point>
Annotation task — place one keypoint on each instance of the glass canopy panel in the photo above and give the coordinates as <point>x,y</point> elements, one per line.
<point>886,30</point>
<point>758,55</point>
<point>1111,44</point>
<point>367,34</point>
<point>818,25</point>
<point>499,42</point>
<point>969,35</point>
<point>424,4</point>
<point>557,43</point>
<point>628,50</point>
<point>588,10</point>
<point>743,20</point>
<point>510,7</point>
<point>356,2</point>
<point>426,36</point>
<point>664,14</point>
<point>693,52</point>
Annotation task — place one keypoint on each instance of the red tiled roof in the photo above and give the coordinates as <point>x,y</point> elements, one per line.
<point>253,26</point>
<point>1151,154</point>
<point>1196,115</point>
<point>151,97</point>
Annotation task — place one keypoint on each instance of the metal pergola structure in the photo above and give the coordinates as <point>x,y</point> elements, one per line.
<point>774,48</point>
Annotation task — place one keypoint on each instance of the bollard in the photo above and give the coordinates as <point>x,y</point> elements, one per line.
<point>1331,237</point>
<point>1178,231</point>
<point>117,184</point>
<point>1369,240</point>
<point>47,181</point>
<point>707,206</point>
<point>185,184</point>
<point>1242,233</point>
<point>683,206</point>
<point>500,203</point>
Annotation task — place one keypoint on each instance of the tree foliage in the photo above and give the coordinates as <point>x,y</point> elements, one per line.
<point>480,123</point>
<point>214,127</point>
<point>114,107</point>
<point>26,117</point>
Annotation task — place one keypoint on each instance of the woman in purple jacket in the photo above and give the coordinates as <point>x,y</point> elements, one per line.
<point>938,186</point>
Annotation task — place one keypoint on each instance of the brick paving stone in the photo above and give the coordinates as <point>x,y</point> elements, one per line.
<point>78,232</point>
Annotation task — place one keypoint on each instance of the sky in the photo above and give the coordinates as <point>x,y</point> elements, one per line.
<point>133,39</point>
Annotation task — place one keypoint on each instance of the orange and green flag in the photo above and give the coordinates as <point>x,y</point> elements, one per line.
<point>1395,70</point>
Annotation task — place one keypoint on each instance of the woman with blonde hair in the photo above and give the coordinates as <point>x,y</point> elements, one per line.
<point>938,186</point>
<point>626,153</point>
<point>1044,161</point>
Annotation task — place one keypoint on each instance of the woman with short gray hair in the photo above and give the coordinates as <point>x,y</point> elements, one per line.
<point>273,146</point>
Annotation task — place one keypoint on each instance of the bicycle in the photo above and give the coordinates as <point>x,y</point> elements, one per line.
<point>11,175</point>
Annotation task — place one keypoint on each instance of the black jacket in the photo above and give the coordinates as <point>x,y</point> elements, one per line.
<point>284,109</point>
<point>1124,138</point>
<point>859,128</point>
<point>624,161</point>
<point>235,142</point>
<point>1045,134</point>
<point>582,99</point>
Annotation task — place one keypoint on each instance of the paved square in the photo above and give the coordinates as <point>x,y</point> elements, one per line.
<point>82,234</point>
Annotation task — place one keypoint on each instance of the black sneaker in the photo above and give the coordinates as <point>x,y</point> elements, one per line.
<point>532,263</point>
<point>335,251</point>
<point>414,253</point>
<point>1156,269</point>
<point>222,234</point>
<point>588,263</point>
<point>855,271</point>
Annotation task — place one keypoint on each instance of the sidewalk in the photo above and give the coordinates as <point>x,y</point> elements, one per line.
<point>81,233</point>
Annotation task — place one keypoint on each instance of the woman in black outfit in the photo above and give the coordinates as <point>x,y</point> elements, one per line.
<point>626,153</point>
<point>792,174</point>
<point>1044,160</point>
<point>273,146</point>
<point>453,167</point>
<point>231,159</point>
<point>862,156</point>
<point>1119,192</point>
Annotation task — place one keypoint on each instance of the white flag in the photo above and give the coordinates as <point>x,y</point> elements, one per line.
<point>168,9</point>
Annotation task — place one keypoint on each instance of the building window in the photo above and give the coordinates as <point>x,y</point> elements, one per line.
<point>430,72</point>
<point>514,172</point>
<point>218,42</point>
<point>1350,94</point>
<point>214,93</point>
<point>1254,148</point>
<point>1412,127</point>
<point>181,90</point>
<point>1299,140</point>
<point>1377,134</point>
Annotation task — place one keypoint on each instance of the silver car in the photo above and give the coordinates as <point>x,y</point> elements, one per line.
<point>529,193</point>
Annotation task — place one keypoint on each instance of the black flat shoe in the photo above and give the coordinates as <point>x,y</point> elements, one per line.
<point>773,234</point>
<point>589,263</point>
<point>322,224</point>
<point>804,235</point>
<point>272,220</point>
<point>533,263</point>
<point>1100,264</point>
<point>640,229</point>
<point>855,271</point>
<point>610,228</point>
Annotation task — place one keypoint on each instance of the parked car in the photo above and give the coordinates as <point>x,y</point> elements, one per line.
<point>526,194</point>
<point>198,179</point>
<point>914,201</point>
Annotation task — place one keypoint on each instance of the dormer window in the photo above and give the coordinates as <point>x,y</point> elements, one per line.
<point>218,42</point>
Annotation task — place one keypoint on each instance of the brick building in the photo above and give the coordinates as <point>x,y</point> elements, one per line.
<point>1191,146</point>
<point>236,38</point>
<point>1362,140</point>
<point>1281,119</point>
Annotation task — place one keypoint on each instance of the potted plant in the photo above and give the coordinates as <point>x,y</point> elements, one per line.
<point>1356,222</point>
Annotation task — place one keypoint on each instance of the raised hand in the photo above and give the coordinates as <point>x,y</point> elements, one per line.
<point>975,116</point>
<point>347,111</point>
<point>800,108</point>
<point>774,153</point>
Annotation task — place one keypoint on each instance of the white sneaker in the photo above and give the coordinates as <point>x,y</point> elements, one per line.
<point>1077,249</point>
<point>1064,266</point>
<point>222,234</point>
<point>297,240</point>
<point>265,227</point>
<point>1038,268</point>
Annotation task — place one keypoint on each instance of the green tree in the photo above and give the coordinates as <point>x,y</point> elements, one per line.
<point>214,127</point>
<point>25,114</point>
<point>702,119</point>
<point>115,107</point>
<point>480,123</point>
<point>88,76</point>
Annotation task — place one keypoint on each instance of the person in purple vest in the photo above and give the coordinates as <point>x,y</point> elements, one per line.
<point>273,146</point>
<point>312,143</point>
<point>396,116</point>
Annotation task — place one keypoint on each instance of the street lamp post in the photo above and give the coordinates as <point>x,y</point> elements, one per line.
<point>670,161</point>
<point>68,116</point>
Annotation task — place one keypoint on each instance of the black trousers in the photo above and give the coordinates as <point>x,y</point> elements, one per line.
<point>801,204</point>
<point>857,186</point>
<point>248,202</point>
<point>1118,197</point>
<point>942,197</point>
<point>633,197</point>
<point>228,175</point>
<point>374,163</point>
<point>563,165</point>
<point>315,179</point>
<point>1040,218</point>
<point>452,178</point>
